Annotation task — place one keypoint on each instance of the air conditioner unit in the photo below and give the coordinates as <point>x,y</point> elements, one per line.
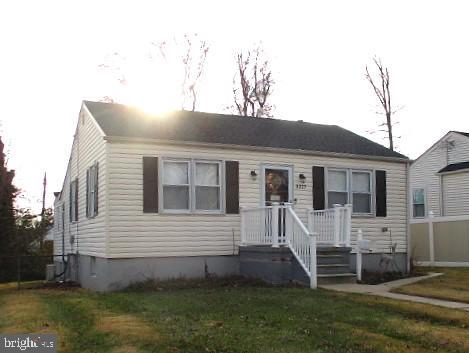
<point>50,273</point>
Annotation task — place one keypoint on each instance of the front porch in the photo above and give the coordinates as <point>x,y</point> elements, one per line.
<point>277,247</point>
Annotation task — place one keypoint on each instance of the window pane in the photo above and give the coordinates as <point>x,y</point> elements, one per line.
<point>176,197</point>
<point>360,182</point>
<point>361,203</point>
<point>207,198</point>
<point>337,180</point>
<point>206,174</point>
<point>418,196</point>
<point>339,198</point>
<point>419,210</point>
<point>176,173</point>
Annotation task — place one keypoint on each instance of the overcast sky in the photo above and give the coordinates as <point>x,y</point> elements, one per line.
<point>51,50</point>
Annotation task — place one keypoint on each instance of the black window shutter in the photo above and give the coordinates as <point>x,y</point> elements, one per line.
<point>319,198</point>
<point>381,209</point>
<point>96,188</point>
<point>87,192</point>
<point>232,187</point>
<point>76,199</point>
<point>150,184</point>
<point>70,218</point>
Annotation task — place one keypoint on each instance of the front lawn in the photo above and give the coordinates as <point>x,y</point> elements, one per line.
<point>452,285</point>
<point>232,318</point>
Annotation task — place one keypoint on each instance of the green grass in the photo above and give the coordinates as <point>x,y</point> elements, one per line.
<point>452,285</point>
<point>244,317</point>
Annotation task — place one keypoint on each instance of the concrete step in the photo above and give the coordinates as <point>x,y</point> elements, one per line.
<point>337,278</point>
<point>324,259</point>
<point>331,269</point>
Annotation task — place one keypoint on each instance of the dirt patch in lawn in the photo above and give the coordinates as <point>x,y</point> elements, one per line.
<point>127,327</point>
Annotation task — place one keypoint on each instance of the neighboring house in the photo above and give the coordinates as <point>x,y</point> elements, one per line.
<point>439,178</point>
<point>162,196</point>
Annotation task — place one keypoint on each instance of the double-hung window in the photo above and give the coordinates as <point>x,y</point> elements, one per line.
<point>418,202</point>
<point>337,191</point>
<point>361,191</point>
<point>207,186</point>
<point>176,186</point>
<point>346,186</point>
<point>191,186</point>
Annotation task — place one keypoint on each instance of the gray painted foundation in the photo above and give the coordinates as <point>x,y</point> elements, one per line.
<point>103,274</point>
<point>273,265</point>
<point>371,262</point>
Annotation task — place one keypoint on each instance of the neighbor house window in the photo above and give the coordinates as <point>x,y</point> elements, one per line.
<point>191,185</point>
<point>418,201</point>
<point>346,186</point>
<point>92,191</point>
<point>74,201</point>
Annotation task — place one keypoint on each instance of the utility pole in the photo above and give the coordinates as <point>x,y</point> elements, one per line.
<point>44,184</point>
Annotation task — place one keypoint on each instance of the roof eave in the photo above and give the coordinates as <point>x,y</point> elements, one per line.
<point>253,148</point>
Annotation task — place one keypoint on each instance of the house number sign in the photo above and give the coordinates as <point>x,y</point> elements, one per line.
<point>301,186</point>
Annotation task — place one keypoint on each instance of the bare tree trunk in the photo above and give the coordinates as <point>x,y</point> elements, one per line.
<point>383,93</point>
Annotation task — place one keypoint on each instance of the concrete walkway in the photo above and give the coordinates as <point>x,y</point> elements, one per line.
<point>383,290</point>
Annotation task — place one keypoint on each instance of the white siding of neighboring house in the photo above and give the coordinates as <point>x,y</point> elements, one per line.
<point>88,234</point>
<point>423,172</point>
<point>456,193</point>
<point>133,233</point>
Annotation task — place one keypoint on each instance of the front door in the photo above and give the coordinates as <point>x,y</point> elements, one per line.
<point>277,185</point>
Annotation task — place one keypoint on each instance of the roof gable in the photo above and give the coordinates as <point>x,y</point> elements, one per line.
<point>122,121</point>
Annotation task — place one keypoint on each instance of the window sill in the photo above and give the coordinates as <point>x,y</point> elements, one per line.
<point>363,215</point>
<point>198,213</point>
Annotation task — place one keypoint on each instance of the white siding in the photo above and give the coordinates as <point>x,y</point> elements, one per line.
<point>456,194</point>
<point>423,172</point>
<point>135,234</point>
<point>88,234</point>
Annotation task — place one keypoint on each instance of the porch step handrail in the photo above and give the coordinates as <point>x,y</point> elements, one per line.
<point>332,225</point>
<point>302,244</point>
<point>280,225</point>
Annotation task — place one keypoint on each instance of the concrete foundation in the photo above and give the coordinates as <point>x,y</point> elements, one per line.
<point>273,265</point>
<point>371,262</point>
<point>103,274</point>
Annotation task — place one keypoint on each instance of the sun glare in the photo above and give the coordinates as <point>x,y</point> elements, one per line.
<point>152,87</point>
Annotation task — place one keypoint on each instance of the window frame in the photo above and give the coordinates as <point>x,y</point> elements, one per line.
<point>220,186</point>
<point>349,175</point>
<point>371,193</point>
<point>424,202</point>
<point>192,185</point>
<point>73,199</point>
<point>161,185</point>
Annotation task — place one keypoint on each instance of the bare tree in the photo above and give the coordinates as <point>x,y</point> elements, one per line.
<point>252,84</point>
<point>381,88</point>
<point>193,55</point>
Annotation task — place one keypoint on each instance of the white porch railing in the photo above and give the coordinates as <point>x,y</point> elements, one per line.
<point>279,225</point>
<point>332,225</point>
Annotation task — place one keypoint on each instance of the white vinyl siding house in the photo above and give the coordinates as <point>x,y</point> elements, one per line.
<point>148,206</point>
<point>442,193</point>
<point>166,234</point>
<point>86,235</point>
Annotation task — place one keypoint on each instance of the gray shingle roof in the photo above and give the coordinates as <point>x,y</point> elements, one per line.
<point>122,121</point>
<point>454,167</point>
